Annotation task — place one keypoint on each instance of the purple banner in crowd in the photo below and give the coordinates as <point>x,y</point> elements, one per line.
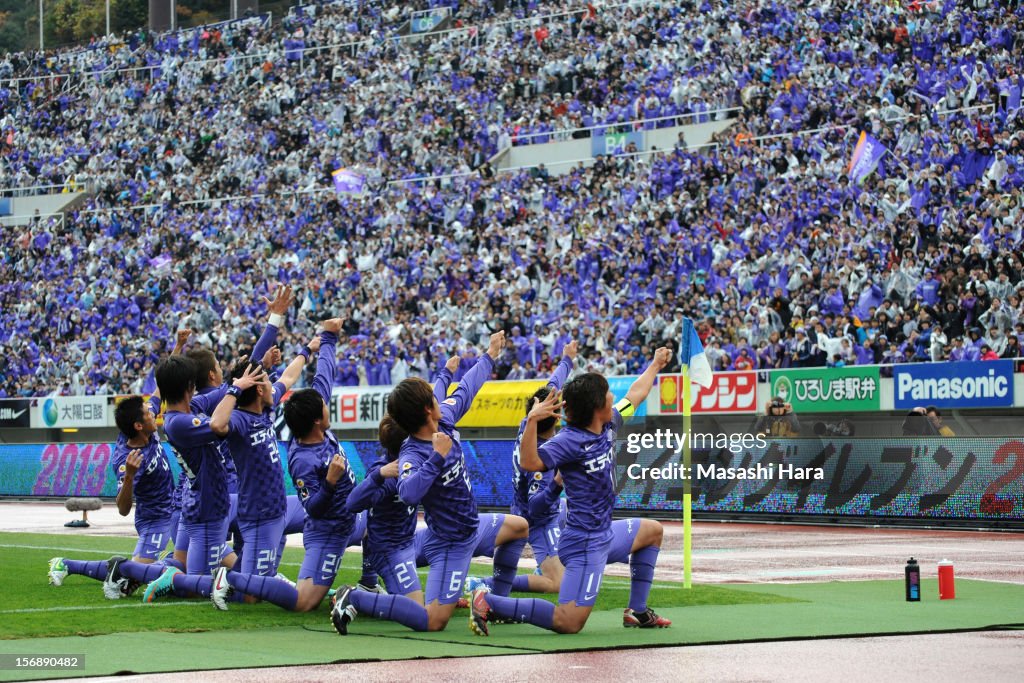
<point>347,181</point>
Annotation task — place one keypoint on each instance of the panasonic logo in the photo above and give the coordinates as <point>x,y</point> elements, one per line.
<point>953,388</point>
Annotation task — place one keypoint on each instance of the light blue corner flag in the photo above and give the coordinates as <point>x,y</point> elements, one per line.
<point>691,354</point>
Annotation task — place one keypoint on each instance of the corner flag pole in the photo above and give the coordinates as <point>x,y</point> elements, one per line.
<point>687,485</point>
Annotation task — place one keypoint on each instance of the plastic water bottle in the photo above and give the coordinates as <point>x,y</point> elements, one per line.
<point>913,581</point>
<point>947,589</point>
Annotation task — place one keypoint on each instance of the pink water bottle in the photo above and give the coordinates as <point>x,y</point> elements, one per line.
<point>947,590</point>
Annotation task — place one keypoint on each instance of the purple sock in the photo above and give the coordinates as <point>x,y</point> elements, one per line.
<point>527,610</point>
<point>187,585</point>
<point>96,569</point>
<point>521,584</point>
<point>171,562</point>
<point>269,588</point>
<point>369,577</point>
<point>143,573</point>
<point>641,571</point>
<point>506,562</point>
<point>391,607</point>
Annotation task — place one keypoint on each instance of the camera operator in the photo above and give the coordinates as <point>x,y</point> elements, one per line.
<point>917,423</point>
<point>779,420</point>
<point>935,416</point>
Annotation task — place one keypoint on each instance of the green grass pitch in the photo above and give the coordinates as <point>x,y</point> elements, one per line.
<point>173,634</point>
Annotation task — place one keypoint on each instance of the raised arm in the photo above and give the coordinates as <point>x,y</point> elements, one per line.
<point>565,365</point>
<point>638,391</point>
<point>326,367</point>
<point>455,406</point>
<point>220,421</point>
<point>444,378</point>
<point>529,457</point>
<point>292,373</point>
<point>277,308</point>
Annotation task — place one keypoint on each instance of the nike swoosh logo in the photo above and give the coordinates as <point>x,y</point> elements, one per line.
<point>219,587</point>
<point>589,597</point>
<point>18,414</point>
<point>449,597</point>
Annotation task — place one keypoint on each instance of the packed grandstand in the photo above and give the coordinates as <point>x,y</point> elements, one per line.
<point>207,159</point>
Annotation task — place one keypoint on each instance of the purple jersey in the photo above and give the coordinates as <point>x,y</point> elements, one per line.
<point>197,450</point>
<point>153,484</point>
<point>526,485</point>
<point>223,448</point>
<point>442,483</point>
<point>308,463</point>
<point>390,523</point>
<point>587,463</point>
<point>252,442</point>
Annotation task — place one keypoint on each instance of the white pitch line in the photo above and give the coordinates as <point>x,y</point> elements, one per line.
<point>30,610</point>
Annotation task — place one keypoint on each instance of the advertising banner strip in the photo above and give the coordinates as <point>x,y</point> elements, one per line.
<point>730,392</point>
<point>59,412</point>
<point>828,390</point>
<point>950,479</point>
<point>978,384</point>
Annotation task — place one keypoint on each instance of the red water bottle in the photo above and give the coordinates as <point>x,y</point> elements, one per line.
<point>947,590</point>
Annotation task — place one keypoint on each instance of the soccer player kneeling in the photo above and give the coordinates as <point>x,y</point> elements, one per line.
<point>584,454</point>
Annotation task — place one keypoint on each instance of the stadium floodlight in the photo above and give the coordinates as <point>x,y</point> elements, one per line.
<point>40,25</point>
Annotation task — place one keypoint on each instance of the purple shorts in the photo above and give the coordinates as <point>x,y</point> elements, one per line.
<point>624,532</point>
<point>206,546</point>
<point>262,543</point>
<point>544,540</point>
<point>325,545</point>
<point>154,536</point>
<point>487,530</point>
<point>584,554</point>
<point>449,562</point>
<point>398,569</point>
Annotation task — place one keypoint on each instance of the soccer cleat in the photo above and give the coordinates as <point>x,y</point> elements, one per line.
<point>472,584</point>
<point>479,612</point>
<point>342,610</point>
<point>375,588</point>
<point>114,583</point>
<point>163,585</point>
<point>645,619</point>
<point>463,603</point>
<point>57,572</point>
<point>221,590</point>
<point>282,577</point>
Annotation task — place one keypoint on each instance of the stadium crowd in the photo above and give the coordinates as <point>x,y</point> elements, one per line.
<point>228,140</point>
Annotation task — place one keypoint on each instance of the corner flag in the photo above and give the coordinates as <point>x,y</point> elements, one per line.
<point>691,356</point>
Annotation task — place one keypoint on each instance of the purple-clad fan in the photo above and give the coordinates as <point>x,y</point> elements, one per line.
<point>432,471</point>
<point>323,479</point>
<point>584,454</point>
